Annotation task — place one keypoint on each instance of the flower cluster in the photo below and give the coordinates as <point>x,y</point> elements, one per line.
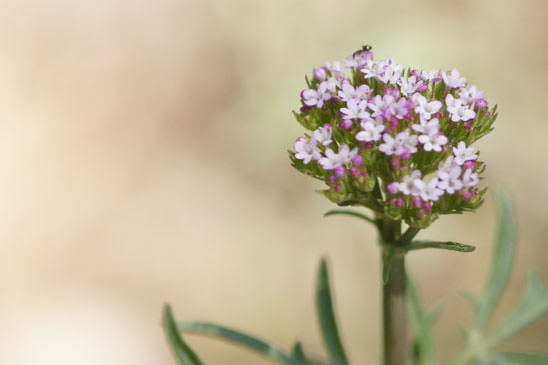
<point>395,140</point>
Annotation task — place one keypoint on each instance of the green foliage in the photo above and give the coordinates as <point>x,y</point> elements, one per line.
<point>326,315</point>
<point>533,306</point>
<point>452,246</point>
<point>182,352</point>
<point>351,213</point>
<point>482,342</point>
<point>236,337</point>
<point>423,344</point>
<point>501,265</point>
<point>512,358</point>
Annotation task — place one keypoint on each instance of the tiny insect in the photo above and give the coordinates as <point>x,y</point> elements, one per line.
<point>365,48</point>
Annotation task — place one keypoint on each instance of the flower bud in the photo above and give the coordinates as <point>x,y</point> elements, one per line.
<point>393,187</point>
<point>357,160</point>
<point>320,73</point>
<point>340,171</point>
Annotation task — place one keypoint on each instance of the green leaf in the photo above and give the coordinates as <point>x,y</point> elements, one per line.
<point>237,337</point>
<point>434,314</point>
<point>351,213</point>
<point>532,307</point>
<point>420,324</point>
<point>513,358</point>
<point>327,319</point>
<point>501,262</point>
<point>298,353</point>
<point>387,257</point>
<point>453,246</point>
<point>471,298</point>
<point>182,352</point>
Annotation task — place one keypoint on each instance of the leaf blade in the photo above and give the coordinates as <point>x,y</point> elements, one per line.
<point>513,358</point>
<point>420,325</point>
<point>350,213</point>
<point>501,262</point>
<point>532,307</point>
<point>447,245</point>
<point>236,337</point>
<point>181,351</point>
<point>326,315</point>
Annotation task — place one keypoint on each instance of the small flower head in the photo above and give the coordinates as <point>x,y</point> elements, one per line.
<point>395,140</point>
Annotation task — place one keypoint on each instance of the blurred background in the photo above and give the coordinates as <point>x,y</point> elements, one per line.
<point>143,160</point>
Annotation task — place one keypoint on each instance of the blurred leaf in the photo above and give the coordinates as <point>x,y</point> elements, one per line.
<point>300,358</point>
<point>532,307</point>
<point>237,337</point>
<point>471,298</point>
<point>327,319</point>
<point>513,358</point>
<point>501,262</point>
<point>434,314</point>
<point>351,213</point>
<point>424,349</point>
<point>387,256</point>
<point>182,352</point>
<point>298,353</point>
<point>453,246</point>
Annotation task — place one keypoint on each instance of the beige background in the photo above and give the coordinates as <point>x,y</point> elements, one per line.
<point>143,160</point>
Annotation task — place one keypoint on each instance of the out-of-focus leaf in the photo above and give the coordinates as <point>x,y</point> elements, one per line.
<point>424,349</point>
<point>237,337</point>
<point>351,213</point>
<point>298,353</point>
<point>182,352</point>
<point>532,307</point>
<point>471,298</point>
<point>327,319</point>
<point>387,257</point>
<point>501,262</point>
<point>453,246</point>
<point>514,358</point>
<point>434,314</point>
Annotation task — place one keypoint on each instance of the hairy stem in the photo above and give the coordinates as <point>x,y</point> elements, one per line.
<point>396,342</point>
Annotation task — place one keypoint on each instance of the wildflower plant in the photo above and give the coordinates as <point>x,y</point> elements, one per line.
<point>400,143</point>
<point>397,141</point>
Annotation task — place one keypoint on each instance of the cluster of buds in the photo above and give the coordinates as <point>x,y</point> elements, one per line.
<point>395,140</point>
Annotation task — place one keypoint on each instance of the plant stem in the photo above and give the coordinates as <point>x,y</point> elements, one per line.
<point>396,343</point>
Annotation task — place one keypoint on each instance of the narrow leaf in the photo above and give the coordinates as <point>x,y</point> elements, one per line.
<point>327,319</point>
<point>532,307</point>
<point>434,314</point>
<point>298,353</point>
<point>351,213</point>
<point>182,352</point>
<point>453,246</point>
<point>236,337</point>
<point>513,358</point>
<point>387,257</point>
<point>471,298</point>
<point>424,351</point>
<point>501,262</point>
<point>299,357</point>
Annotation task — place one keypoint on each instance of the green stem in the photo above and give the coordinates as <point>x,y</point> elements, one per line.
<point>396,342</point>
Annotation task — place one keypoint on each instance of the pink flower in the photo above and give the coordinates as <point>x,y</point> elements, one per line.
<point>305,149</point>
<point>316,97</point>
<point>453,79</point>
